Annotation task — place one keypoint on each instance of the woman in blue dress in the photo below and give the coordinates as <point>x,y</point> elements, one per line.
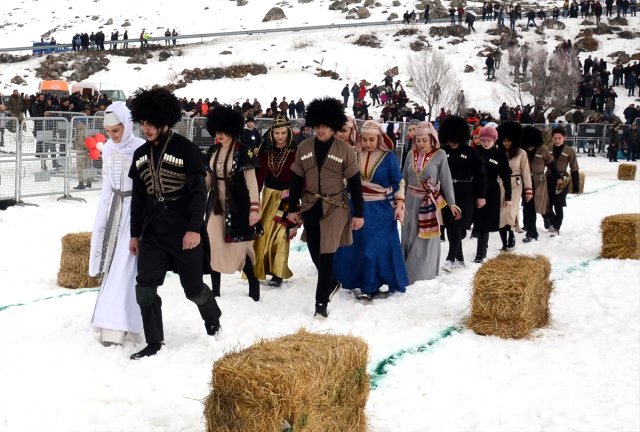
<point>375,258</point>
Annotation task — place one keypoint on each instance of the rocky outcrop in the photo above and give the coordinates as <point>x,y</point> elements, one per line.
<point>274,14</point>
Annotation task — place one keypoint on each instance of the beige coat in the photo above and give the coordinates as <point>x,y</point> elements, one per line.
<point>339,164</point>
<point>520,180</point>
<point>541,159</point>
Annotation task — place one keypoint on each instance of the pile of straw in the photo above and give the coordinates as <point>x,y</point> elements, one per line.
<point>621,236</point>
<point>511,296</point>
<point>314,382</point>
<point>627,171</point>
<point>74,262</point>
<point>581,175</point>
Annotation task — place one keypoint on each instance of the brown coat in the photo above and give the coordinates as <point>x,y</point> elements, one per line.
<point>566,160</point>
<point>520,180</point>
<point>339,164</point>
<point>538,164</point>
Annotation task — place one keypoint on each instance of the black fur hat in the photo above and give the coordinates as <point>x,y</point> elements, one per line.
<point>454,129</point>
<point>224,119</point>
<point>157,106</point>
<point>512,131</point>
<point>531,137</point>
<point>326,111</point>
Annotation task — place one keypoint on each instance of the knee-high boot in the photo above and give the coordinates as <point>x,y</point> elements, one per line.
<point>481,248</point>
<point>511,242</point>
<point>503,237</point>
<point>254,283</point>
<point>215,283</point>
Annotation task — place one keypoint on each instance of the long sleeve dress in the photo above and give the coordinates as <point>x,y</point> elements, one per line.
<point>274,177</point>
<point>116,311</point>
<point>427,179</point>
<point>375,257</point>
<point>230,236</point>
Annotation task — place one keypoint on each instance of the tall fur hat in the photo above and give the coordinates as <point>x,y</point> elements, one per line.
<point>512,131</point>
<point>454,129</point>
<point>327,111</point>
<point>224,119</point>
<point>531,137</point>
<point>157,106</point>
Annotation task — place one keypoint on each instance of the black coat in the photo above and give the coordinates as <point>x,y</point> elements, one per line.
<point>469,180</point>
<point>487,218</point>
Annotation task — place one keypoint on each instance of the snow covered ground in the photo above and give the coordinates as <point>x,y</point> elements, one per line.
<point>581,373</point>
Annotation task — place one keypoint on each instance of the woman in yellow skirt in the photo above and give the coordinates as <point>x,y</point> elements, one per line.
<point>276,155</point>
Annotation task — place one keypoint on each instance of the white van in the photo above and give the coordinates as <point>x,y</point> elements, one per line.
<point>93,89</point>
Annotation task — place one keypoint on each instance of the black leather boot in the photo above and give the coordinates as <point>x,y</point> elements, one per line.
<point>511,243</point>
<point>503,237</point>
<point>215,283</point>
<point>254,283</point>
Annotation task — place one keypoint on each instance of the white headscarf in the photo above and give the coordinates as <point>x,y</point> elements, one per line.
<point>129,143</point>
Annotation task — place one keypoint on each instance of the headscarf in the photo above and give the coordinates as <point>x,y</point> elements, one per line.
<point>279,122</point>
<point>371,126</point>
<point>129,143</point>
<point>425,128</point>
<point>354,136</point>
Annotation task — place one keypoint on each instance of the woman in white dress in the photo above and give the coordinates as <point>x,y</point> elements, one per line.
<point>116,312</point>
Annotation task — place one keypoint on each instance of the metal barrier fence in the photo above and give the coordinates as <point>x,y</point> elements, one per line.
<point>47,155</point>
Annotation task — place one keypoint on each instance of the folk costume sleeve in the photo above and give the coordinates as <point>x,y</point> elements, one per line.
<point>138,198</point>
<point>196,188</point>
<point>575,174</point>
<point>446,182</point>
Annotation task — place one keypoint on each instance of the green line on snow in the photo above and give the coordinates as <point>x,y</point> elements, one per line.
<point>76,292</point>
<point>380,369</point>
<point>581,265</point>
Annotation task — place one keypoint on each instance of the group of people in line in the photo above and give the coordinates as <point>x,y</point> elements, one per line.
<point>164,207</point>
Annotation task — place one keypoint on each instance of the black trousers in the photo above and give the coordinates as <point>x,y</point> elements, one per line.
<point>157,254</point>
<point>529,218</point>
<point>556,206</point>
<point>323,262</point>
<point>455,232</point>
<point>482,245</point>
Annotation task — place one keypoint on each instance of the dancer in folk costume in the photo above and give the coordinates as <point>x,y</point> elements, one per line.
<point>428,189</point>
<point>375,257</point>
<point>469,183</point>
<point>509,141</point>
<point>233,208</point>
<point>275,157</point>
<point>167,215</point>
<point>540,160</point>
<point>321,167</point>
<point>486,217</point>
<point>116,312</point>
<point>349,132</point>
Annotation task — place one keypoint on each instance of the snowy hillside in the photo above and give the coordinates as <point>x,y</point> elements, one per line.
<point>293,59</point>
<point>579,374</point>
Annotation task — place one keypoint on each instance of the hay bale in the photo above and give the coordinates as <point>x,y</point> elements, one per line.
<point>580,185</point>
<point>74,262</point>
<point>511,296</point>
<point>621,236</point>
<point>627,171</point>
<point>314,382</point>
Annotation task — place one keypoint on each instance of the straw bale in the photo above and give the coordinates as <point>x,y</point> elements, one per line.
<point>511,296</point>
<point>74,262</point>
<point>627,171</point>
<point>580,184</point>
<point>314,382</point>
<point>621,236</point>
